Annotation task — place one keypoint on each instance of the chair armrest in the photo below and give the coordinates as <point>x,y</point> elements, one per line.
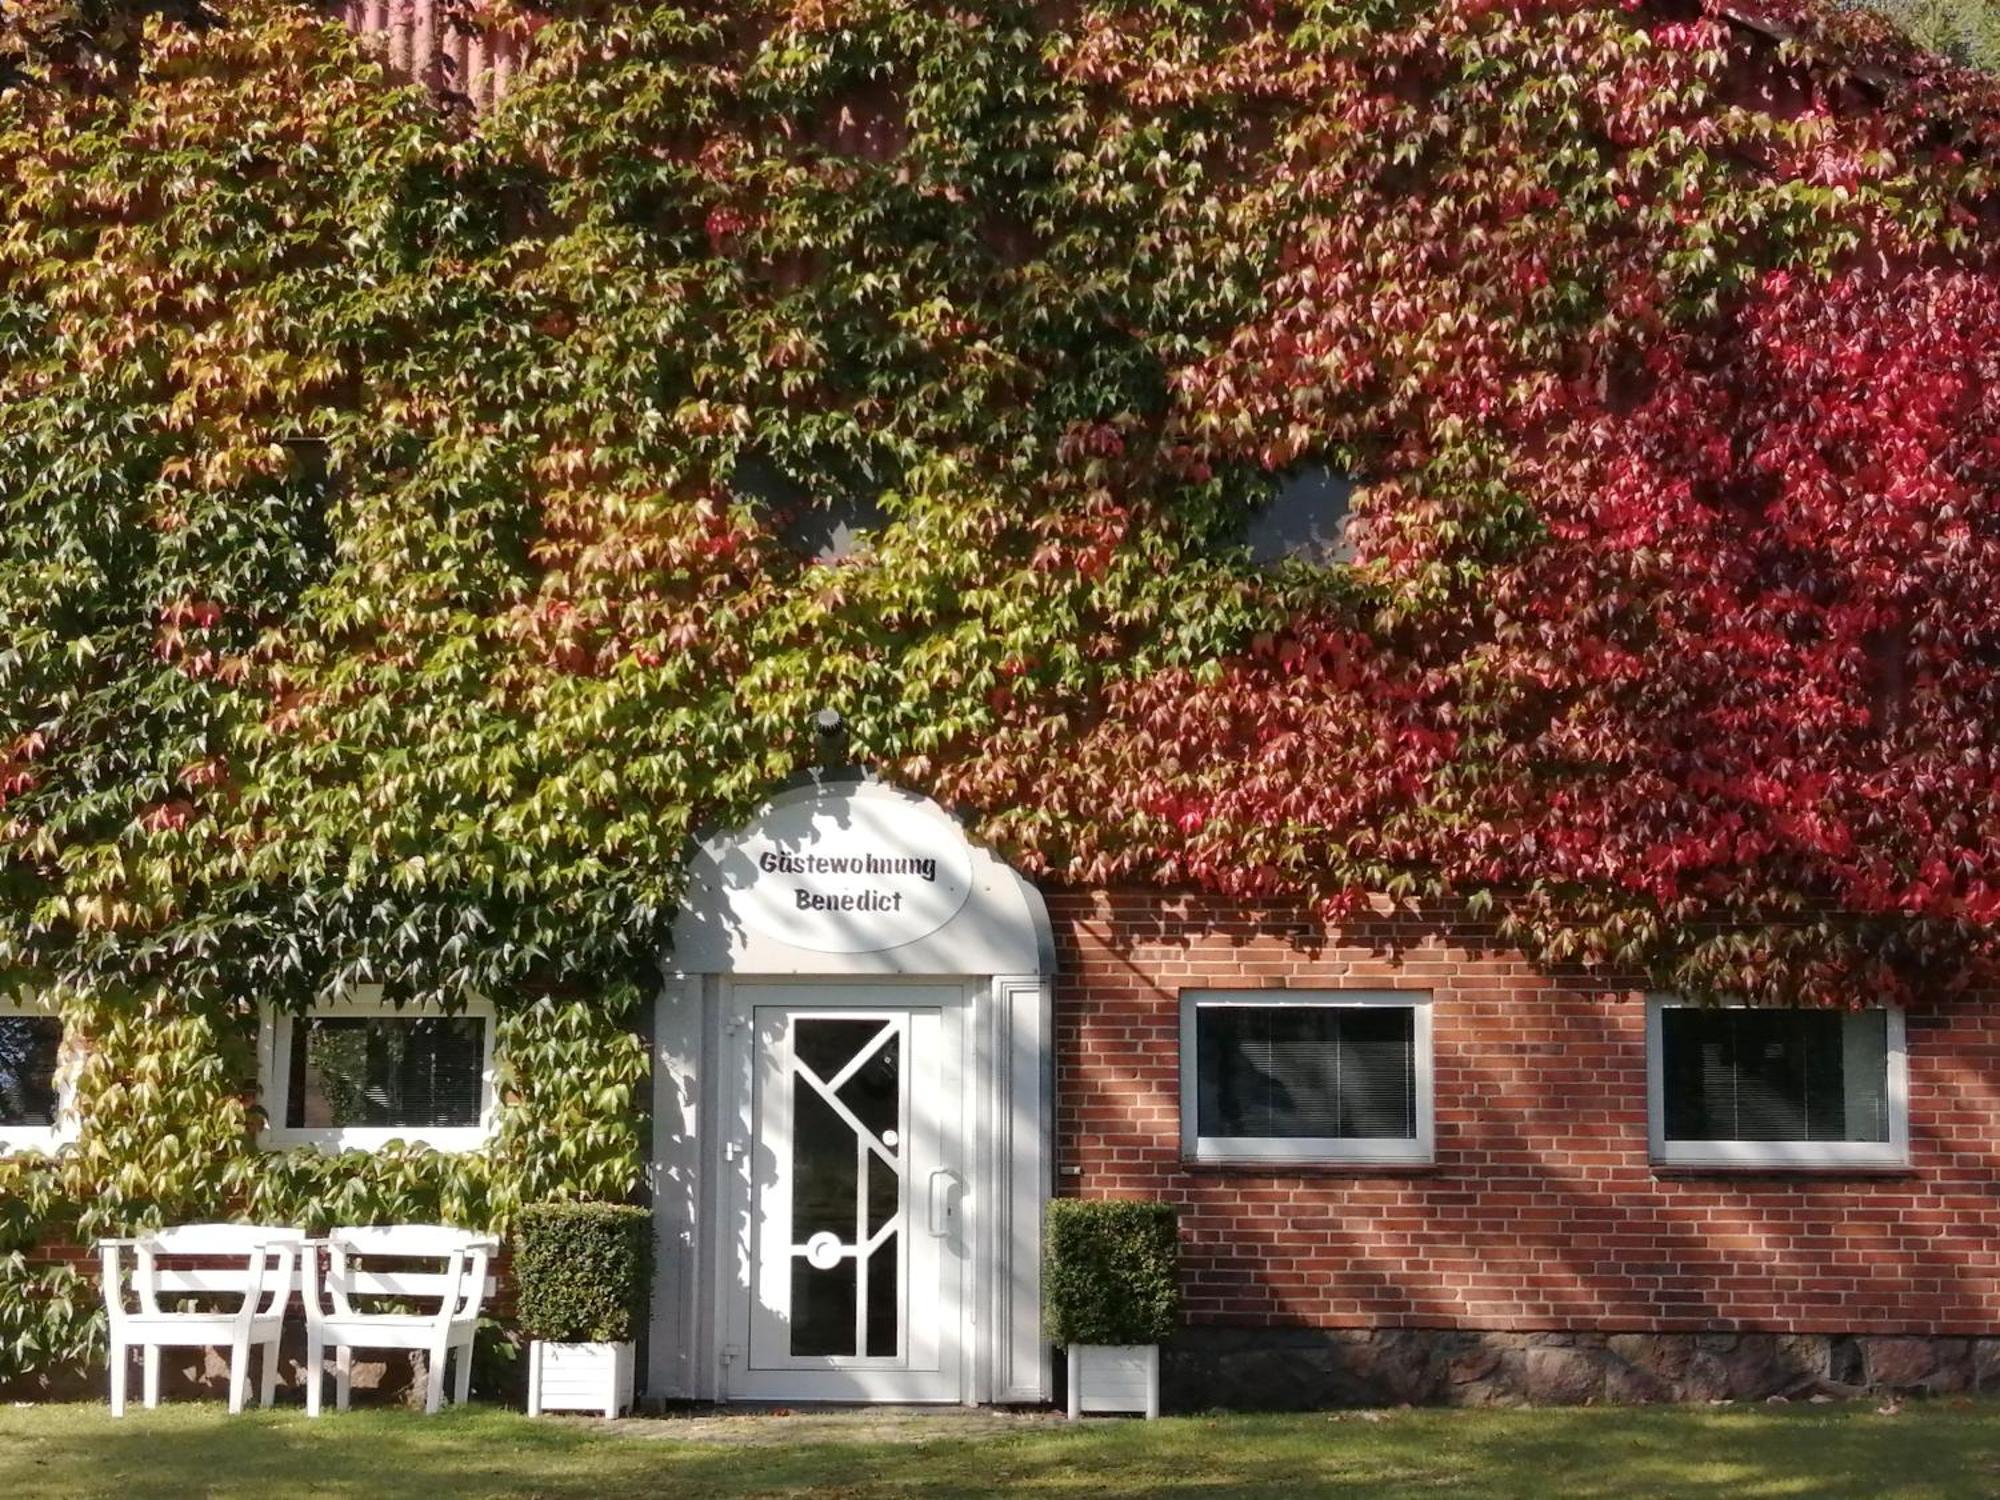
<point>289,1269</point>
<point>259,1270</point>
<point>113,1242</point>
<point>111,1277</point>
<point>307,1273</point>
<point>472,1286</point>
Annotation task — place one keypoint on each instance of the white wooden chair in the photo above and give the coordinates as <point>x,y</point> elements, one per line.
<point>257,1266</point>
<point>445,1330</point>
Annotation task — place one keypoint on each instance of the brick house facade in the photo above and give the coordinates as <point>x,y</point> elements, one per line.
<point>1542,1253</point>
<point>1539,1251</point>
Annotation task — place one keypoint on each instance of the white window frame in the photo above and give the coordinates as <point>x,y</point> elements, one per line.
<point>1417,1150</point>
<point>366,1002</point>
<point>19,1138</point>
<point>1803,1156</point>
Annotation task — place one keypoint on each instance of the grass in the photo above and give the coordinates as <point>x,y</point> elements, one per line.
<point>1936,1448</point>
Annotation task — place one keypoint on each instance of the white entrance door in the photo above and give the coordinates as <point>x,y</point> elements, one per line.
<point>855,1195</point>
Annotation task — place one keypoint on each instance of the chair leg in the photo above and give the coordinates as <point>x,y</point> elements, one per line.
<point>315,1372</point>
<point>343,1375</point>
<point>463,1393</point>
<point>121,1360</point>
<point>151,1355</point>
<point>434,1379</point>
<point>267,1385</point>
<point>239,1372</point>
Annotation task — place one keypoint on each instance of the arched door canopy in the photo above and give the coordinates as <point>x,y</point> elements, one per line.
<point>857,877</point>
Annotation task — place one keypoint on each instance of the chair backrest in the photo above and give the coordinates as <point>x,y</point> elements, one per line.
<point>412,1241</point>
<point>355,1266</point>
<point>216,1260</point>
<point>218,1240</point>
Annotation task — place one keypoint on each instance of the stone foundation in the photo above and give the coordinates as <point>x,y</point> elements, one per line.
<point>1280,1369</point>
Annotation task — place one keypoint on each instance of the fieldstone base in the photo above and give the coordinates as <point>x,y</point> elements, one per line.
<point>1305,1369</point>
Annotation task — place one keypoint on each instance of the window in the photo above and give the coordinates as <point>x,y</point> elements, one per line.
<point>1312,1076</point>
<point>829,527</point>
<point>361,1073</point>
<point>33,1111</point>
<point>1741,1087</point>
<point>1308,519</point>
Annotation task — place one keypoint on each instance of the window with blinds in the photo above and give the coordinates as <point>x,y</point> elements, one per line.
<point>1742,1086</point>
<point>1312,1076</point>
<point>403,1071</point>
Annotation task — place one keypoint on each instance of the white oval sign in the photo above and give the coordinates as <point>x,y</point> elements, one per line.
<point>844,875</point>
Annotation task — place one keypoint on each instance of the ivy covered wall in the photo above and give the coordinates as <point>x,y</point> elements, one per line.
<point>399,511</point>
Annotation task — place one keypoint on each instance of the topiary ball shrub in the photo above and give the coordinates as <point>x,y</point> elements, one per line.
<point>582,1271</point>
<point>1111,1272</point>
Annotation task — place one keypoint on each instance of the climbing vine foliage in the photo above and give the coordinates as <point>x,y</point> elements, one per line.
<point>401,512</point>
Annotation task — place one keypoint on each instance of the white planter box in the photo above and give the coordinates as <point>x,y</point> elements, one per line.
<point>1114,1377</point>
<point>579,1377</point>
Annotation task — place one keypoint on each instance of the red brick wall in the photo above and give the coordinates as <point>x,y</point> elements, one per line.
<point>1542,1211</point>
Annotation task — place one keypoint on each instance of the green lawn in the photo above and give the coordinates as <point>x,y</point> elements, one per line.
<point>1942,1448</point>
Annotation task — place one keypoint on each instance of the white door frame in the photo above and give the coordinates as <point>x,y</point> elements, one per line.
<point>1007,1084</point>
<point>998,948</point>
<point>946,1264</point>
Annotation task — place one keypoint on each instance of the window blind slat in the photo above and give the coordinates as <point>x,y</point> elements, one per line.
<point>1305,1072</point>
<point>1774,1075</point>
<point>1379,1084</point>
<point>414,1071</point>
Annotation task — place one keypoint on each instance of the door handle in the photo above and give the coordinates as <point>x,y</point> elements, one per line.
<point>942,1181</point>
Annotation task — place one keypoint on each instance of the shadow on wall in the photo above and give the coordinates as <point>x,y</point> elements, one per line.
<point>1542,1258</point>
<point>708,922</point>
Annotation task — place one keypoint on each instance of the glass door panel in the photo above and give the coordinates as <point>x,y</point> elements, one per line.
<point>850,1171</point>
<point>855,1206</point>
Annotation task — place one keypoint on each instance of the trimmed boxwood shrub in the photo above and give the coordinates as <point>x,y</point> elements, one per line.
<point>1111,1272</point>
<point>582,1271</point>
